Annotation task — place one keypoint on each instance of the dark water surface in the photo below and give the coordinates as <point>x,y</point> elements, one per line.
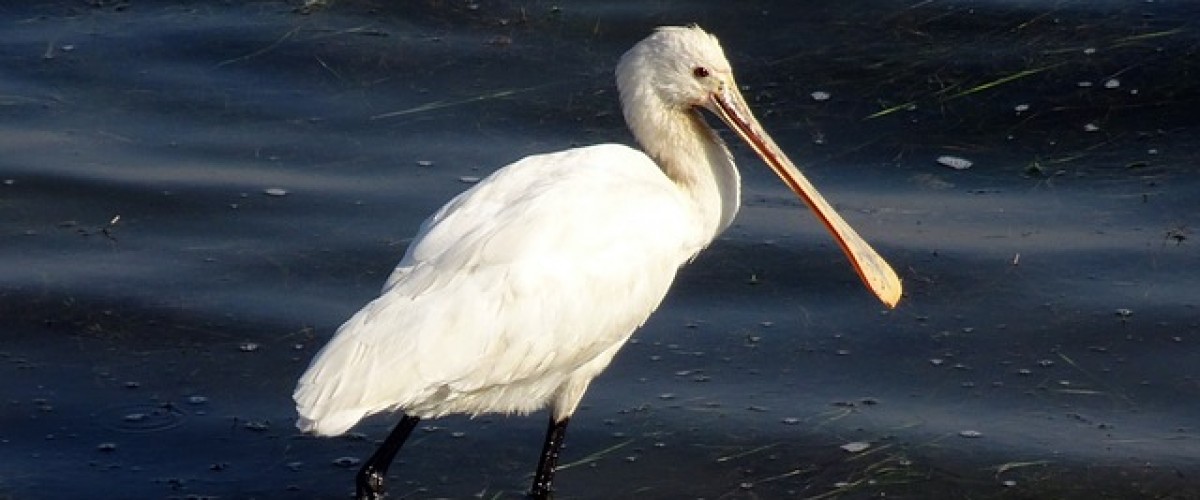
<point>195,195</point>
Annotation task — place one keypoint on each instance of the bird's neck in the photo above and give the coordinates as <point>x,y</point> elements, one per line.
<point>692,155</point>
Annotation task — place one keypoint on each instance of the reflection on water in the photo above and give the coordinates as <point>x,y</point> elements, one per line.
<point>180,182</point>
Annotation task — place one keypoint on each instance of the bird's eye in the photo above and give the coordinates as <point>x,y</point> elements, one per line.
<point>700,72</point>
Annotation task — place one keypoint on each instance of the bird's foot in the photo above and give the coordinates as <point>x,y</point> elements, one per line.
<point>540,494</point>
<point>369,484</point>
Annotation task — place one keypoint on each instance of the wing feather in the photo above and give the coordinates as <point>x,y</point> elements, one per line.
<point>507,290</point>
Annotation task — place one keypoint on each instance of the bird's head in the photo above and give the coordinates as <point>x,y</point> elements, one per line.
<point>676,70</point>
<point>683,67</point>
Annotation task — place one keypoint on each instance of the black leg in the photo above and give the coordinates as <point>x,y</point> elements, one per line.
<point>370,479</point>
<point>549,460</point>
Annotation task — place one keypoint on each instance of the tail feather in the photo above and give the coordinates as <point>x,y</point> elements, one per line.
<point>334,424</point>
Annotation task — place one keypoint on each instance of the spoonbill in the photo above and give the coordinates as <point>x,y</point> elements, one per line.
<point>519,291</point>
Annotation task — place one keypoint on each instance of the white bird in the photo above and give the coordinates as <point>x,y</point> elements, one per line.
<point>519,291</point>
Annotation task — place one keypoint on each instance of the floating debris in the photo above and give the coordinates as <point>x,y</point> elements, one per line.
<point>1091,127</point>
<point>142,418</point>
<point>346,462</point>
<point>1112,83</point>
<point>790,421</point>
<point>469,179</point>
<point>197,400</point>
<point>971,434</point>
<point>1124,313</point>
<point>820,96</point>
<point>954,162</point>
<point>500,41</point>
<point>855,446</point>
<point>274,191</point>
<point>257,425</point>
<point>107,447</point>
<point>248,346</point>
<point>424,163</point>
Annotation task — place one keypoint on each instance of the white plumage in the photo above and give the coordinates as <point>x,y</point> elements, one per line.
<point>522,285</point>
<point>519,291</point>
